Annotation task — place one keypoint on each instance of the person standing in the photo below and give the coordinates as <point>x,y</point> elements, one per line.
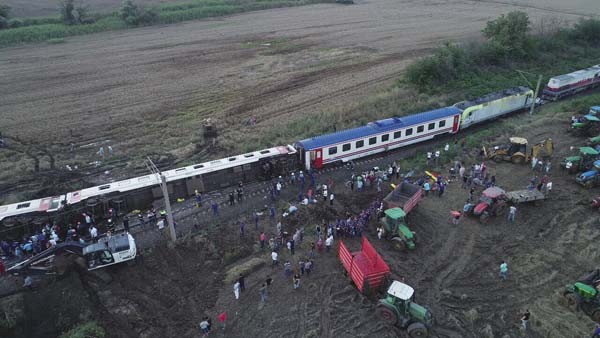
<point>331,197</point>
<point>301,264</point>
<point>236,289</point>
<point>204,327</point>
<point>296,281</point>
<point>215,209</point>
<point>287,266</point>
<point>503,270</point>
<point>328,243</point>
<point>94,233</point>
<point>28,282</point>
<point>525,319</point>
<point>512,213</point>
<point>3,268</point>
<point>274,257</point>
<point>242,227</point>
<point>596,333</point>
<point>426,187</point>
<point>308,267</point>
<point>198,199</point>
<point>262,238</point>
<point>125,224</point>
<point>379,232</point>
<point>231,198</point>
<point>256,220</point>
<point>269,280</point>
<point>263,293</point>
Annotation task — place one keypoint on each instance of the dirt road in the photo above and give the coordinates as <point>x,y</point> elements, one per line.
<point>147,90</point>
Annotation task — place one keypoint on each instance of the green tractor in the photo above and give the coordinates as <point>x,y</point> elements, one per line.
<point>395,229</point>
<point>586,125</point>
<point>398,308</point>
<point>581,162</point>
<point>583,295</point>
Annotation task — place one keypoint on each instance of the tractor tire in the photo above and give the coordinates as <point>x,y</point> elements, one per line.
<point>596,316</point>
<point>387,315</point>
<point>399,243</point>
<point>417,330</point>
<point>571,300</point>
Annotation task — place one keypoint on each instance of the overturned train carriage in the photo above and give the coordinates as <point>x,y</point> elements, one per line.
<point>139,192</point>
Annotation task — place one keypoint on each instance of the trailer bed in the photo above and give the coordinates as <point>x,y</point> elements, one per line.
<point>365,267</point>
<point>405,196</point>
<point>520,196</point>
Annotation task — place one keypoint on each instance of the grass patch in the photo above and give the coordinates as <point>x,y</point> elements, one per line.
<point>30,30</point>
<point>476,69</point>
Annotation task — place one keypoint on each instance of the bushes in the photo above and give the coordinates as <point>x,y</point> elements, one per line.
<point>446,64</point>
<point>490,66</point>
<point>4,12</point>
<point>587,30</point>
<point>133,15</point>
<point>86,330</point>
<point>510,31</point>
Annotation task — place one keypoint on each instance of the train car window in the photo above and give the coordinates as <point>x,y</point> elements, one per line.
<point>265,151</point>
<point>385,138</point>
<point>431,126</point>
<point>372,140</point>
<point>397,134</point>
<point>198,166</point>
<point>346,147</point>
<point>180,169</point>
<point>441,123</point>
<point>23,205</point>
<point>408,132</point>
<point>332,150</point>
<point>359,144</point>
<point>232,159</point>
<point>420,129</point>
<point>104,187</point>
<point>248,155</point>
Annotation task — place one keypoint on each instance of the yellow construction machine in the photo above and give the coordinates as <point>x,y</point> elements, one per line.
<point>516,151</point>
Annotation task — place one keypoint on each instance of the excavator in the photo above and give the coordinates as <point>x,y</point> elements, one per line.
<point>106,251</point>
<point>516,151</point>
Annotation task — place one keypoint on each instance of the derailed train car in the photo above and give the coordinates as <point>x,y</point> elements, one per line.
<point>139,192</point>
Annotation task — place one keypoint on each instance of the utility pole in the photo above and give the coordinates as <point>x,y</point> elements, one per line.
<point>163,186</point>
<point>537,87</point>
<point>537,91</point>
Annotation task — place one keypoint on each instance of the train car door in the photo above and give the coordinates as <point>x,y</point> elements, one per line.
<point>318,160</point>
<point>455,124</point>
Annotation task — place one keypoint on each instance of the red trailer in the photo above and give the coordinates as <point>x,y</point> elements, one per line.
<point>366,268</point>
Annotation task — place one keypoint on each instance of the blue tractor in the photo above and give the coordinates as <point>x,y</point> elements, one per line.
<point>590,178</point>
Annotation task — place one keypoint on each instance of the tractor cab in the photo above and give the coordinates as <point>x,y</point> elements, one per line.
<point>491,201</point>
<point>398,308</point>
<point>583,295</point>
<point>394,225</point>
<point>517,145</point>
<point>583,161</point>
<point>595,111</point>
<point>514,152</point>
<point>110,250</point>
<point>586,124</point>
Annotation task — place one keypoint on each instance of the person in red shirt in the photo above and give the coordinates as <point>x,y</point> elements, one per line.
<point>2,268</point>
<point>262,240</point>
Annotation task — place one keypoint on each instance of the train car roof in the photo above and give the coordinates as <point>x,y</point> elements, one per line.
<point>177,174</point>
<point>574,75</point>
<point>493,97</point>
<point>377,127</point>
<point>46,204</point>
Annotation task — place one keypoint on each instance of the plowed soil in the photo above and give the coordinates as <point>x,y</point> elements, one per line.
<point>147,90</point>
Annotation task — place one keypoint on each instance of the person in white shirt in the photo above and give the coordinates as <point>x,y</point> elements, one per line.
<point>274,257</point>
<point>379,232</point>
<point>94,233</point>
<point>328,243</point>
<point>236,290</point>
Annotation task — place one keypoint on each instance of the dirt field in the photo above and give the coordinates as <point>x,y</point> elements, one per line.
<point>146,91</point>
